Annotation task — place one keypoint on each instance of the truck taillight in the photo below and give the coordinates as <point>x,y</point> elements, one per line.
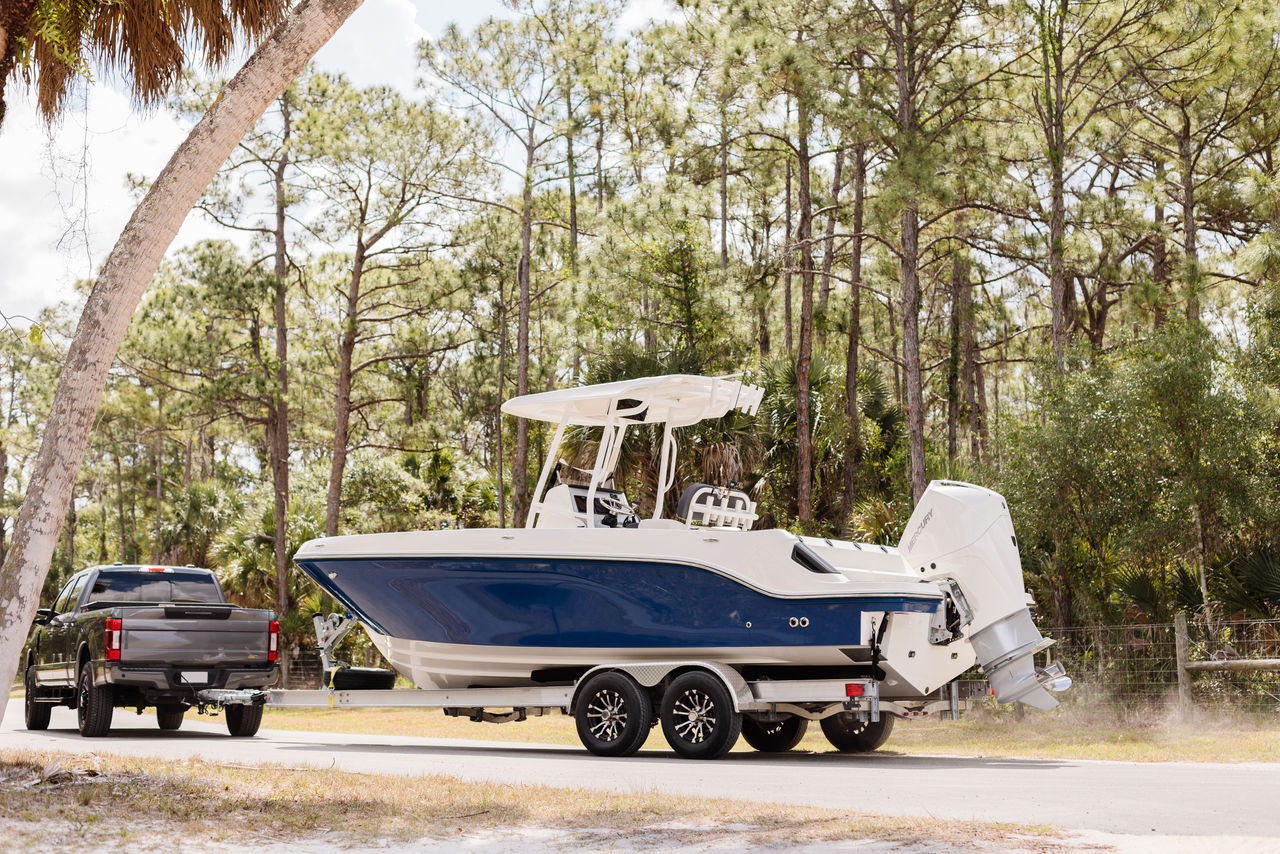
<point>273,641</point>
<point>111,637</point>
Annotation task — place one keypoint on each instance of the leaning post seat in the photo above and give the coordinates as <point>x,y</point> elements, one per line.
<point>716,507</point>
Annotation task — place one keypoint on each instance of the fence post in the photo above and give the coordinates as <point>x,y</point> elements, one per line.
<point>1185,702</point>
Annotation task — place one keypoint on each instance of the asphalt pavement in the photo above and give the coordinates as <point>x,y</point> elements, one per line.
<point>1160,799</point>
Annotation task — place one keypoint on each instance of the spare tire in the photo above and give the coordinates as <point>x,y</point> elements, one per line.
<point>360,679</point>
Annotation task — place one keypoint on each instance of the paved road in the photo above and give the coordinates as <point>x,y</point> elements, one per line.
<point>1164,799</point>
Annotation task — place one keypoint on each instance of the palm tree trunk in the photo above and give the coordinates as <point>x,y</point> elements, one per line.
<point>115,296</point>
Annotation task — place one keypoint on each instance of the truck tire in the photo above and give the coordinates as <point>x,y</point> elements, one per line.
<point>614,715</point>
<point>37,714</point>
<point>94,705</point>
<point>698,717</point>
<point>169,716</point>
<point>847,734</point>
<point>243,721</point>
<point>774,736</point>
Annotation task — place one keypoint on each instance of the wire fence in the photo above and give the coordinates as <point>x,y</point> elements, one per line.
<point>1133,669</point>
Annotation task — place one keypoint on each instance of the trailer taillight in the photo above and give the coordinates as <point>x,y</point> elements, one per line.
<point>273,641</point>
<point>853,689</point>
<point>111,637</point>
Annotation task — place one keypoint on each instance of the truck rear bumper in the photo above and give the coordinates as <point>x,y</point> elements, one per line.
<point>182,680</point>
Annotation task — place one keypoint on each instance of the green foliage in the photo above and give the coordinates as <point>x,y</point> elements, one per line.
<point>1127,150</point>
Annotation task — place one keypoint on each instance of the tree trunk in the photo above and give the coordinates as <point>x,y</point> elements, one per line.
<point>115,296</point>
<point>278,420</point>
<point>852,441</point>
<point>829,243</point>
<point>573,187</point>
<point>969,367</point>
<point>724,200</point>
<point>342,396</point>
<point>502,386</point>
<point>1055,130</point>
<point>1190,253</point>
<point>959,273</point>
<point>520,467</point>
<point>159,474</point>
<point>909,260</point>
<point>787,252</point>
<point>804,359</point>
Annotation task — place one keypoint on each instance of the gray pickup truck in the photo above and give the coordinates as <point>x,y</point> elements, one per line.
<point>139,636</point>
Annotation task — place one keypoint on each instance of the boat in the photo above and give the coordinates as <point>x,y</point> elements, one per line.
<point>587,583</point>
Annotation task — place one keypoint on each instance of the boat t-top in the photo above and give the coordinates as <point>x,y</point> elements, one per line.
<point>691,615</point>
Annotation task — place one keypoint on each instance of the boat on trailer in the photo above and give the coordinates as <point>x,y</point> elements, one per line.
<point>683,616</point>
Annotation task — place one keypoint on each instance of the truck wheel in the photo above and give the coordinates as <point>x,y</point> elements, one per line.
<point>774,736</point>
<point>94,705</point>
<point>37,713</point>
<point>850,735</point>
<point>614,715</point>
<point>243,721</point>
<point>169,716</point>
<point>698,718</point>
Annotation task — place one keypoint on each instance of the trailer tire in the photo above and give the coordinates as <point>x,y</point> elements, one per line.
<point>698,717</point>
<point>243,721</point>
<point>94,705</point>
<point>774,736</point>
<point>613,714</point>
<point>169,715</point>
<point>37,714</point>
<point>847,734</point>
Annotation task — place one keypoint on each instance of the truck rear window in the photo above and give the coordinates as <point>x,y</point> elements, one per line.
<point>116,586</point>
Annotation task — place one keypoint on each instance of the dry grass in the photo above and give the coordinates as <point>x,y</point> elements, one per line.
<point>1062,734</point>
<point>143,805</point>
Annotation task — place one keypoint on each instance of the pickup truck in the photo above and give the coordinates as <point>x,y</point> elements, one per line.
<point>139,636</point>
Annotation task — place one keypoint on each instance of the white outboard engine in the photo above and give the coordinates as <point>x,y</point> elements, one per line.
<point>961,535</point>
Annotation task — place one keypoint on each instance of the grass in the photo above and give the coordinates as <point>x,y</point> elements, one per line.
<point>91,802</point>
<point>1063,734</point>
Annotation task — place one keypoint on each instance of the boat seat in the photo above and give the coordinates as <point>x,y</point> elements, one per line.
<point>716,507</point>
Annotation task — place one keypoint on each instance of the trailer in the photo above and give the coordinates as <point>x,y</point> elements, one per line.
<point>703,706</point>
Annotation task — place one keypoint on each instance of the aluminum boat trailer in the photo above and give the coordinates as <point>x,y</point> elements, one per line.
<point>615,705</point>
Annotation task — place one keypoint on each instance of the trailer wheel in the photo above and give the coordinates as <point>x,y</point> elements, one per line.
<point>243,721</point>
<point>37,714</point>
<point>169,716</point>
<point>94,705</point>
<point>698,717</point>
<point>613,714</point>
<point>774,736</point>
<point>850,735</point>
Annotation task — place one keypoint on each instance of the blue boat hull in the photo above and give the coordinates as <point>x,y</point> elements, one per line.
<point>587,603</point>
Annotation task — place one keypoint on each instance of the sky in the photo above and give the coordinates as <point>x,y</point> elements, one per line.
<point>65,190</point>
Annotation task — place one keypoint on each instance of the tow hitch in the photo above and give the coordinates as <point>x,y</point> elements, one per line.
<point>211,700</point>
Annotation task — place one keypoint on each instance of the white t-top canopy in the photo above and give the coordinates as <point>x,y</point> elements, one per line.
<point>676,399</point>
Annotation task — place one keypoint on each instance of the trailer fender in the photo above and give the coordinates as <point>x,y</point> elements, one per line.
<point>650,673</point>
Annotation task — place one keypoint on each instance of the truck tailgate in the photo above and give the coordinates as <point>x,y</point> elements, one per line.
<point>193,634</point>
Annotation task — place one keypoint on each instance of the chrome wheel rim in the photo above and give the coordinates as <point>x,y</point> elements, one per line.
<point>693,716</point>
<point>607,715</point>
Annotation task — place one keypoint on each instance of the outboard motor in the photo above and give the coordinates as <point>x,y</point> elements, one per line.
<point>961,536</point>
